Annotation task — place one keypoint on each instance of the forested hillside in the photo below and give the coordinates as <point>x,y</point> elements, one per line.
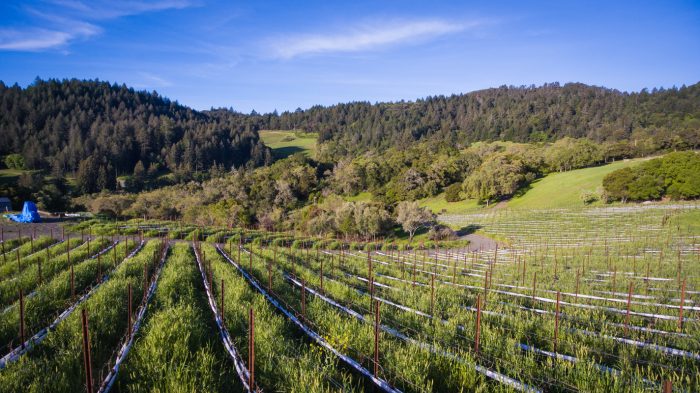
<point>101,130</point>
<point>664,118</point>
<point>57,124</point>
<point>110,137</point>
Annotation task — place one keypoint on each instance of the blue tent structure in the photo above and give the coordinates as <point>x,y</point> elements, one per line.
<point>29,214</point>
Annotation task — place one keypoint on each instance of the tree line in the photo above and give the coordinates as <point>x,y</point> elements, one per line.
<point>675,175</point>
<point>169,161</point>
<point>656,120</point>
<point>100,131</point>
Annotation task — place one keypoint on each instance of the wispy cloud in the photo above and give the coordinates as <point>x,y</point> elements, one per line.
<point>38,39</point>
<point>58,23</point>
<point>109,9</point>
<point>367,37</point>
<point>151,81</point>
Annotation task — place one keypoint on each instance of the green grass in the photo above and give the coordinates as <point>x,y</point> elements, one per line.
<point>286,143</point>
<point>690,219</point>
<point>560,189</point>
<point>10,176</point>
<point>178,349</point>
<point>563,189</point>
<point>361,197</point>
<point>438,205</point>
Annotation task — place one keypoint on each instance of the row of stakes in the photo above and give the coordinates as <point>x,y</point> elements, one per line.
<point>87,359</point>
<point>666,386</point>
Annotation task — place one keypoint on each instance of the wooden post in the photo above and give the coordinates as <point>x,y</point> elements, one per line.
<point>145,279</point>
<point>646,280</point>
<point>240,241</point>
<point>578,276</point>
<point>211,274</point>
<point>478,324</point>
<point>370,282</point>
<point>667,387</point>
<point>19,263</point>
<point>454,272</point>
<point>486,284</point>
<point>432,294</point>
<point>303,299</point>
<point>269,277</point>
<point>680,309</point>
<point>251,350</point>
<point>129,301</point>
<point>38,262</point>
<point>86,353</point>
<point>222,303</point>
<point>21,317</point>
<point>414,271</point>
<point>369,274</point>
<point>376,338</point>
<point>534,286</point>
<point>629,301</point>
<point>680,265</point>
<point>99,268</point>
<point>72,284</point>
<point>556,322</point>
<point>321,274</point>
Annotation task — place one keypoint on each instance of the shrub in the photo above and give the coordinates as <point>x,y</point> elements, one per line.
<point>453,193</point>
<point>588,197</point>
<point>333,245</point>
<point>676,175</point>
<point>14,161</point>
<point>441,232</point>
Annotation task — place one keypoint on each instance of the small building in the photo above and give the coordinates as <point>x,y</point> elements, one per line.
<point>5,204</point>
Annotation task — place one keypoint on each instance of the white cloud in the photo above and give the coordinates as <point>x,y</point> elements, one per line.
<point>109,9</point>
<point>367,37</point>
<point>38,39</point>
<point>152,81</point>
<point>64,21</point>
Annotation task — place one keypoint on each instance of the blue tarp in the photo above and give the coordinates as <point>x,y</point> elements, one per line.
<point>29,214</point>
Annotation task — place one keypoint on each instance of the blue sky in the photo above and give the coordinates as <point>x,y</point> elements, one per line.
<point>283,55</point>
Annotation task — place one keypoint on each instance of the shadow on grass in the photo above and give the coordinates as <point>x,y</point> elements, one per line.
<point>284,152</point>
<point>522,190</point>
<point>469,229</point>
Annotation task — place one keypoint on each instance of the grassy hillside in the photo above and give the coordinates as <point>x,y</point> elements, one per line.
<point>439,205</point>
<point>563,189</point>
<point>555,190</point>
<point>9,176</point>
<point>361,197</point>
<point>286,143</point>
